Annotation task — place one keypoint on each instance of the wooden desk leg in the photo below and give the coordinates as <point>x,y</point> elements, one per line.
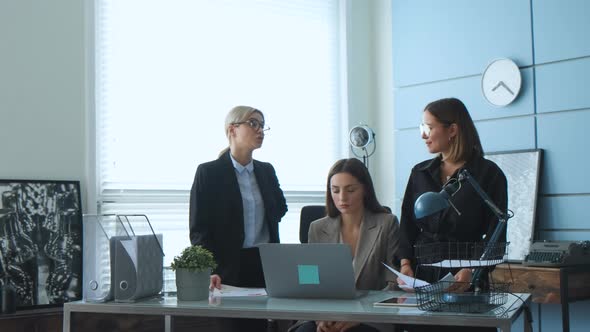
<point>563,284</point>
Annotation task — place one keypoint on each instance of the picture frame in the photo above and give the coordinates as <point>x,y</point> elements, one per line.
<point>522,169</point>
<point>41,241</point>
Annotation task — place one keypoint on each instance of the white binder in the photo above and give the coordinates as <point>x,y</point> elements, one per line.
<point>123,258</point>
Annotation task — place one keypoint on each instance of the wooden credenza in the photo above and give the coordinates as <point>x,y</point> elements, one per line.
<point>51,320</point>
<point>560,285</point>
<point>35,320</point>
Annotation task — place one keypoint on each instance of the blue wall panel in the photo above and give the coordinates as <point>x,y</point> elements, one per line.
<point>561,29</point>
<point>563,212</point>
<point>507,134</point>
<point>565,160</point>
<point>564,235</point>
<point>410,101</point>
<point>435,40</point>
<point>579,318</point>
<point>440,49</point>
<point>563,86</point>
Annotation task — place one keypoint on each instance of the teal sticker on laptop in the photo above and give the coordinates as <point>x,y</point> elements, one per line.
<point>308,274</point>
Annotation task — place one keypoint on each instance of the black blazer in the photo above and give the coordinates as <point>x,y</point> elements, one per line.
<point>476,218</point>
<point>216,218</point>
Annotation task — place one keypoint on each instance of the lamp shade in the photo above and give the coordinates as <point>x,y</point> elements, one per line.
<point>361,136</point>
<point>430,202</point>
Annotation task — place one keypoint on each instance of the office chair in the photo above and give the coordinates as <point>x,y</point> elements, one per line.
<point>310,213</point>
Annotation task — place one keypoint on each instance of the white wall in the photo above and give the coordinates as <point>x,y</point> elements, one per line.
<point>370,86</point>
<point>42,90</point>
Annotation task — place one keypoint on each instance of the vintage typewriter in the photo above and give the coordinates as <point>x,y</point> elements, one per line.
<point>558,253</point>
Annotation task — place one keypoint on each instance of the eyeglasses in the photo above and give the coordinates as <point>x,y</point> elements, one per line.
<point>425,128</point>
<point>254,124</point>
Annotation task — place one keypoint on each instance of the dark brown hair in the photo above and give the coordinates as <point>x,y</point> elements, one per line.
<point>466,144</point>
<point>357,169</point>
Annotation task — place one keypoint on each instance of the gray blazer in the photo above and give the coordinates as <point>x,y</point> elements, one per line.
<point>378,242</point>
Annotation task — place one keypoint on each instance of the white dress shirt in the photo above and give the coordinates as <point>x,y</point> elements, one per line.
<point>255,229</point>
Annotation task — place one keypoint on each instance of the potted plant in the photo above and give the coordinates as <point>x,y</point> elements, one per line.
<point>193,269</point>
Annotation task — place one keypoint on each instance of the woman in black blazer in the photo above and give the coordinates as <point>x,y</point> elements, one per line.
<point>236,203</point>
<point>449,131</point>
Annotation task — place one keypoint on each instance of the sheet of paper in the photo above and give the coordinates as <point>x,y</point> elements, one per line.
<point>412,283</point>
<point>448,278</point>
<point>231,291</point>
<point>409,281</point>
<point>455,263</point>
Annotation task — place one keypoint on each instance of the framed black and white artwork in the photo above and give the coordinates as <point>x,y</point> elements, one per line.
<point>522,169</point>
<point>41,241</point>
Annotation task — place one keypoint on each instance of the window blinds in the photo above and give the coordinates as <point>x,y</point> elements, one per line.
<point>168,71</point>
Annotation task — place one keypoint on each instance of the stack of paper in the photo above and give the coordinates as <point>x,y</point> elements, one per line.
<point>231,291</point>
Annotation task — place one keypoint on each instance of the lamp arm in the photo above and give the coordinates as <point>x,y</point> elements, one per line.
<point>502,219</point>
<point>464,175</point>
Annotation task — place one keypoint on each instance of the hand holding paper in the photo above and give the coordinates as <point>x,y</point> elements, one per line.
<point>411,283</point>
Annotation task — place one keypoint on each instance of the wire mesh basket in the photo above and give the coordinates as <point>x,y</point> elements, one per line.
<point>450,296</point>
<point>480,295</point>
<point>460,254</point>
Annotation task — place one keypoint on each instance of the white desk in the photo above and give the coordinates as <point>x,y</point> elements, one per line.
<point>359,310</point>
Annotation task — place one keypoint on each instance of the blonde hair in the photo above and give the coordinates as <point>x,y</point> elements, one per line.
<point>235,115</point>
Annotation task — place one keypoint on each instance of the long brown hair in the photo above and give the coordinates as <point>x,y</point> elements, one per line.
<point>357,169</point>
<point>466,144</point>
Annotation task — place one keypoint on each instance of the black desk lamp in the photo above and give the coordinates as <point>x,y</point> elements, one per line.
<point>431,202</point>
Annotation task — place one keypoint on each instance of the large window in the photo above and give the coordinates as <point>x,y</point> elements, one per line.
<point>168,71</point>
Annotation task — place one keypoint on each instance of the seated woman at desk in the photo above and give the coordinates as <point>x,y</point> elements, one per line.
<point>448,130</point>
<point>356,218</point>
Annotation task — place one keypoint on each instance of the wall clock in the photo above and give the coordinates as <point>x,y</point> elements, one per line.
<point>501,82</point>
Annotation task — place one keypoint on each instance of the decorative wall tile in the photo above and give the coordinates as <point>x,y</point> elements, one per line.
<point>561,29</point>
<point>435,40</point>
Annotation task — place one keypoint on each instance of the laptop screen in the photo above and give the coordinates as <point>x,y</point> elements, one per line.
<point>310,270</point>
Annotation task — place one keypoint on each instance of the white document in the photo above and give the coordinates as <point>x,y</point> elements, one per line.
<point>232,291</point>
<point>412,283</point>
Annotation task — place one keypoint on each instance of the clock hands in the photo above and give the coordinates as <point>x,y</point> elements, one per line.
<point>501,84</point>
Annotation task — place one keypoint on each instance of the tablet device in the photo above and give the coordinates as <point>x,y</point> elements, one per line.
<point>404,301</point>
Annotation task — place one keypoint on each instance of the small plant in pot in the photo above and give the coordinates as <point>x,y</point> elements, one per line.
<point>193,269</point>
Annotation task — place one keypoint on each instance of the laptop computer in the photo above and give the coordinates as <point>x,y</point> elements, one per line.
<point>310,270</point>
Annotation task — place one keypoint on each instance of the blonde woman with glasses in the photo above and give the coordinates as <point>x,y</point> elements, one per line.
<point>236,203</point>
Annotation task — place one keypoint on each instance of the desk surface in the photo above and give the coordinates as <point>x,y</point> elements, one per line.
<point>361,310</point>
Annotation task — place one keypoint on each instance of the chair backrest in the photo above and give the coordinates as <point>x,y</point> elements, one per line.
<point>310,213</point>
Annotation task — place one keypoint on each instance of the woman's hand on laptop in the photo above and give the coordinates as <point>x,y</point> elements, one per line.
<point>215,282</point>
